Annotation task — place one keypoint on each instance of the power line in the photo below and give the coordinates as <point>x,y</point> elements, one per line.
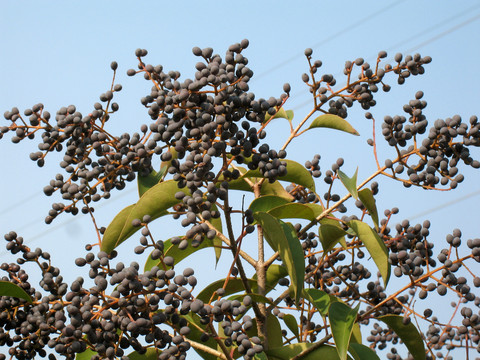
<point>446,32</point>
<point>126,192</point>
<point>432,28</point>
<point>426,42</point>
<point>444,205</point>
<point>19,203</point>
<point>331,37</point>
<point>51,229</point>
<point>341,32</point>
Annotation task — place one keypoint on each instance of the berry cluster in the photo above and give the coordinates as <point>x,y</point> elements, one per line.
<point>209,118</point>
<point>93,159</point>
<point>136,314</point>
<point>410,252</point>
<point>194,122</point>
<point>363,88</point>
<point>440,152</point>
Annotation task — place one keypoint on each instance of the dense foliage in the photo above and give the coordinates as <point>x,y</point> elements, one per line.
<point>310,299</point>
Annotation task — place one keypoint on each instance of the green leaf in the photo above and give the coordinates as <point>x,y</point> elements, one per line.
<point>375,246</point>
<point>267,188</point>
<point>296,173</point>
<point>151,354</point>
<point>333,122</point>
<point>320,299</point>
<point>233,286</point>
<point>10,289</point>
<point>292,324</point>
<point>408,333</point>
<point>356,334</point>
<point>349,183</point>
<point>274,331</point>
<point>281,113</point>
<point>255,297</point>
<point>274,273</point>
<point>342,317</point>
<point>266,203</point>
<point>146,182</point>
<point>154,202</point>
<point>252,331</point>
<point>196,334</point>
<point>283,238</point>
<point>261,356</point>
<point>232,349</point>
<point>362,352</point>
<point>366,197</point>
<point>114,230</point>
<point>168,163</point>
<point>330,235</point>
<point>217,242</point>
<point>289,351</point>
<point>297,211</point>
<point>179,255</point>
<point>86,355</point>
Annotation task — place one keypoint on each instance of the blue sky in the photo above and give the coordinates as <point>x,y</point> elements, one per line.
<point>58,53</point>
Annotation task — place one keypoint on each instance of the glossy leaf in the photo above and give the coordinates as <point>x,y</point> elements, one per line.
<point>233,286</point>
<point>330,235</point>
<point>168,163</point>
<point>154,202</point>
<point>217,242</point>
<point>179,255</point>
<point>292,324</point>
<point>342,317</point>
<point>114,230</point>
<point>289,351</point>
<point>356,334</point>
<point>146,182</point>
<point>196,334</point>
<point>333,122</point>
<point>320,299</point>
<point>362,352</point>
<point>274,332</point>
<point>375,246</point>
<point>266,203</point>
<point>282,237</point>
<point>408,333</point>
<point>274,273</point>
<point>349,183</point>
<point>252,331</point>
<point>366,196</point>
<point>86,355</point>
<point>10,289</point>
<point>151,354</point>
<point>332,221</point>
<point>260,356</point>
<point>296,173</point>
<point>297,211</point>
<point>267,188</point>
<point>281,113</point>
<point>232,349</point>
<point>255,297</point>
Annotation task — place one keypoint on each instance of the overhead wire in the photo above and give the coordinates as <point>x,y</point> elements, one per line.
<point>445,204</point>
<point>416,47</point>
<point>345,30</point>
<point>337,34</point>
<point>257,76</point>
<point>324,41</point>
<point>55,227</point>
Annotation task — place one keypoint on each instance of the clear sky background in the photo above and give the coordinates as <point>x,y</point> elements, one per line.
<point>58,53</point>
